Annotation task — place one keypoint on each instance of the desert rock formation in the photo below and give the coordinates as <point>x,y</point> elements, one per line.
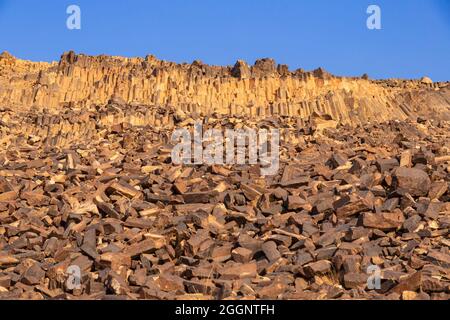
<point>87,182</point>
<point>264,89</point>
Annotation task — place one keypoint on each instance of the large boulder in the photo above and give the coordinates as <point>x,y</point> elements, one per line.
<point>413,181</point>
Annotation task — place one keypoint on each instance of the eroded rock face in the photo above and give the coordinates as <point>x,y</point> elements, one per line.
<point>87,181</point>
<point>265,89</point>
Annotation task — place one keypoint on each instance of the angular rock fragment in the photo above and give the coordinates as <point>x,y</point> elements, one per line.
<point>410,283</point>
<point>242,255</point>
<point>384,221</point>
<point>413,181</point>
<point>239,271</point>
<point>353,280</point>
<point>270,250</point>
<point>319,267</point>
<point>143,247</point>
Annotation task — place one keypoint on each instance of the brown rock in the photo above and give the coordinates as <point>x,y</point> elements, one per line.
<point>354,280</point>
<point>413,181</point>
<point>438,189</point>
<point>439,258</point>
<point>383,221</point>
<point>239,271</point>
<point>387,164</point>
<point>143,247</point>
<point>168,282</point>
<point>242,255</point>
<point>33,275</point>
<point>270,250</point>
<point>410,283</point>
<point>319,267</point>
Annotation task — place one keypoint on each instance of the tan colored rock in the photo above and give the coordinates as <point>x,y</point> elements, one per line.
<point>80,81</point>
<point>426,80</point>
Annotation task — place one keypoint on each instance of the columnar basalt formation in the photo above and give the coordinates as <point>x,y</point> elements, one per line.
<point>88,183</point>
<point>261,90</point>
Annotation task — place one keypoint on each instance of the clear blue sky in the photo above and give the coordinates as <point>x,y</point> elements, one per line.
<point>414,41</point>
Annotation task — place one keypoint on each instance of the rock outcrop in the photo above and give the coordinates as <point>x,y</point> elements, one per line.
<point>264,89</point>
<point>94,206</point>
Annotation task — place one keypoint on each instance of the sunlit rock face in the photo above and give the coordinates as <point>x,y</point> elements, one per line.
<point>80,82</point>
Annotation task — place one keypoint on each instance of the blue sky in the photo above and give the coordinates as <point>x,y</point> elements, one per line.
<point>414,40</point>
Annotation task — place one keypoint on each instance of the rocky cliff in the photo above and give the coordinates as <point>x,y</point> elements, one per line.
<point>81,82</point>
<point>88,183</point>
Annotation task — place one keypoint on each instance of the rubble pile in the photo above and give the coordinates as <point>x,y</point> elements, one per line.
<point>95,191</point>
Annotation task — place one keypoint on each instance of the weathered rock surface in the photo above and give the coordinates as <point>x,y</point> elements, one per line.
<point>261,90</point>
<point>88,183</point>
<point>413,181</point>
